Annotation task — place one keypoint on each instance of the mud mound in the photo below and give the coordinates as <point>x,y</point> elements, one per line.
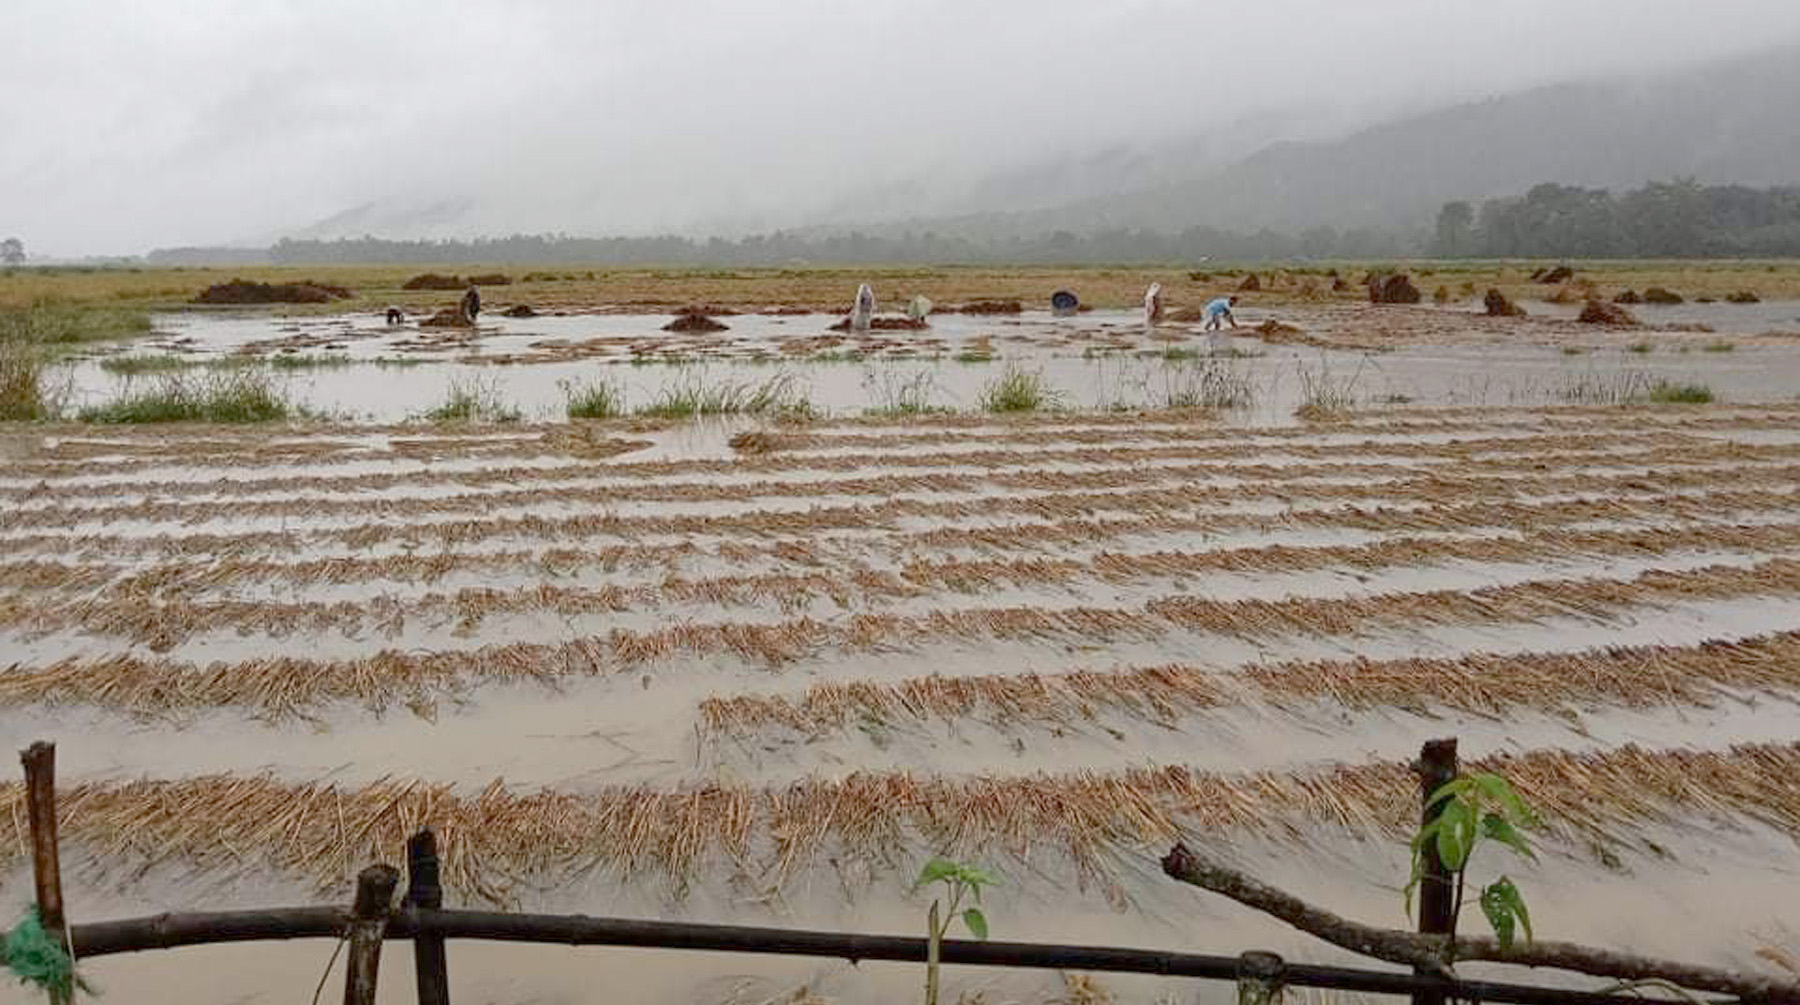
<point>1395,289</point>
<point>1187,314</point>
<point>1551,277</point>
<point>756,442</point>
<point>449,317</point>
<point>1251,284</point>
<point>1200,277</point>
<point>1273,331</point>
<point>490,279</point>
<point>1743,297</point>
<point>433,281</point>
<point>519,311</point>
<point>1658,295</point>
<point>1628,297</point>
<point>885,325</point>
<point>692,320</point>
<point>242,291</point>
<point>1498,306</point>
<point>1338,285</point>
<point>1598,312</point>
<point>990,307</point>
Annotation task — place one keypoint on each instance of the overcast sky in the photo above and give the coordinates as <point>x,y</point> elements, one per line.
<point>132,124</point>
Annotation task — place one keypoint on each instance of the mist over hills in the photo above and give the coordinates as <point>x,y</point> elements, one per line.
<point>1378,188</point>
<point>1729,122</point>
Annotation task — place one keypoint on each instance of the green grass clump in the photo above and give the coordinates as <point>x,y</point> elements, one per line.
<point>473,401</point>
<point>70,324</point>
<point>1720,346</point>
<point>690,395</point>
<point>1641,347</point>
<point>1018,390</point>
<point>973,356</point>
<point>230,396</point>
<point>1180,354</point>
<point>600,400</point>
<point>1665,392</point>
<point>22,394</point>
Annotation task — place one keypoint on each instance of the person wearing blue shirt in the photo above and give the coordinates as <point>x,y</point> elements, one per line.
<point>1220,310</point>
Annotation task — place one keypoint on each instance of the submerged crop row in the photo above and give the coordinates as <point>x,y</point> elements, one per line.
<point>498,842</point>
<point>129,612</point>
<point>1480,683</point>
<point>278,686</point>
<point>187,565</point>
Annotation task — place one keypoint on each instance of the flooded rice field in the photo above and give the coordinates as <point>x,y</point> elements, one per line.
<point>759,668</point>
<point>356,367</point>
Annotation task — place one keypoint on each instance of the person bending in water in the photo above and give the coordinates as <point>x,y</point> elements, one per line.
<point>471,303</point>
<point>1220,310</point>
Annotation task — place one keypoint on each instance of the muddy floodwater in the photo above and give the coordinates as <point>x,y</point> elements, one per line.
<point>758,668</point>
<point>357,367</point>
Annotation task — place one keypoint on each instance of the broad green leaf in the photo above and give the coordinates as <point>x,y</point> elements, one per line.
<point>977,922</point>
<point>1501,792</point>
<point>1510,895</point>
<point>1499,914</point>
<point>1425,833</point>
<point>936,869</point>
<point>1456,838</point>
<point>978,877</point>
<point>1500,829</point>
<point>1451,789</point>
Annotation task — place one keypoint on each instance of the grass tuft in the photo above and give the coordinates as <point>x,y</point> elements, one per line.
<point>473,401</point>
<point>1019,390</point>
<point>22,394</point>
<point>1665,392</point>
<point>689,395</point>
<point>226,396</point>
<point>599,400</point>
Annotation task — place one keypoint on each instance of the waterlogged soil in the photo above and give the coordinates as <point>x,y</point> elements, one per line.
<point>683,526</point>
<point>1353,355</point>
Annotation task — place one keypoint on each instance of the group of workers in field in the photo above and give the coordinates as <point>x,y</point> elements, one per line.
<point>1217,312</point>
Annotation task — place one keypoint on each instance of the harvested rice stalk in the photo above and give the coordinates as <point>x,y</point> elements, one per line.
<point>493,842</point>
<point>287,686</point>
<point>1481,683</point>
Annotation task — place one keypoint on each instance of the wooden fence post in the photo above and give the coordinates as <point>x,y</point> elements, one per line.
<point>368,923</point>
<point>423,890</point>
<point>1437,893</point>
<point>1259,978</point>
<point>39,760</point>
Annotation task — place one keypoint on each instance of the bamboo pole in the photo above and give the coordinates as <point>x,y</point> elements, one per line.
<point>1437,890</point>
<point>1259,978</point>
<point>169,931</point>
<point>368,923</point>
<point>39,760</point>
<point>431,968</point>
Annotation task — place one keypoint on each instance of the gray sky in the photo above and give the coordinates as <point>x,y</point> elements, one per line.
<point>131,124</point>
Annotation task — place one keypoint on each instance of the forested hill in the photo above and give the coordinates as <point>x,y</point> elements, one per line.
<point>1730,122</point>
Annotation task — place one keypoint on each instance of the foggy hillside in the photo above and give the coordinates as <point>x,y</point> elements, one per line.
<point>1723,123</point>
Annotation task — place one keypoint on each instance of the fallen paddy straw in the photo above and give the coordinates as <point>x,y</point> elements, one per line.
<point>183,574</point>
<point>130,612</point>
<point>1479,683</point>
<point>1160,510</point>
<point>286,686</point>
<point>498,841</point>
<point>1154,500</point>
<point>1244,481</point>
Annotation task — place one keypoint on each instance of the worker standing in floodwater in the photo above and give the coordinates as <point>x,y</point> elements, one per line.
<point>864,311</point>
<point>1220,310</point>
<point>1153,305</point>
<point>471,303</point>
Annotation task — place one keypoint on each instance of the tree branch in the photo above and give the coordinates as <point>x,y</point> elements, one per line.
<point>1436,954</point>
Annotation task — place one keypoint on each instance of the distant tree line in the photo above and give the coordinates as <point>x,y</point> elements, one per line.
<point>1678,219</point>
<point>790,248</point>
